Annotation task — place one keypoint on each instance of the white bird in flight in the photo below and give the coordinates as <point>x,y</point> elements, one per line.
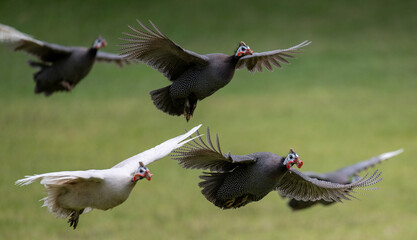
<point>71,193</point>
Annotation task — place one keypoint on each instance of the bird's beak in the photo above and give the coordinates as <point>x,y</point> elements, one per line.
<point>298,162</point>
<point>249,52</point>
<point>139,176</point>
<point>148,175</point>
<point>104,44</point>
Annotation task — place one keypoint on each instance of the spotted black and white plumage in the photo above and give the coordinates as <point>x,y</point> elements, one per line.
<point>71,193</point>
<point>193,76</point>
<point>345,175</point>
<point>61,68</point>
<point>236,180</point>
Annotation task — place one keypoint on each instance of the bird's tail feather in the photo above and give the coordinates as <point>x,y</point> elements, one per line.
<point>210,185</point>
<point>163,101</point>
<point>53,191</point>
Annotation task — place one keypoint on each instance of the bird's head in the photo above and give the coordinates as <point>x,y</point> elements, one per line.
<point>142,172</point>
<point>243,50</point>
<point>291,159</point>
<point>99,43</point>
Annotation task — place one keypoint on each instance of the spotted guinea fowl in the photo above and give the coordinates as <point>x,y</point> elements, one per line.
<point>71,193</point>
<point>236,180</point>
<point>193,76</point>
<point>344,175</point>
<point>61,68</point>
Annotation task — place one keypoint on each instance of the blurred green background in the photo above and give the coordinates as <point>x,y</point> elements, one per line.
<point>350,95</point>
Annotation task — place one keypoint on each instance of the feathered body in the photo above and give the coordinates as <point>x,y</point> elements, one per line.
<point>236,180</point>
<point>71,193</point>
<point>61,68</point>
<point>220,188</point>
<point>193,76</point>
<point>64,73</point>
<point>195,84</point>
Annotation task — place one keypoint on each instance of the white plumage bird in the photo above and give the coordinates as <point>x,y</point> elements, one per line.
<point>71,193</point>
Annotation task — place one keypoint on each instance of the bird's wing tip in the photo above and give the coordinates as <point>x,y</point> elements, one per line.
<point>392,154</point>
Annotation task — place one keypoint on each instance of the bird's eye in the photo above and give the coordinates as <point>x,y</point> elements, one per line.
<point>243,49</point>
<point>291,156</point>
<point>141,170</point>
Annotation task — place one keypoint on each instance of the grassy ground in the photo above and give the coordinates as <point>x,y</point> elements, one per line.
<point>350,95</point>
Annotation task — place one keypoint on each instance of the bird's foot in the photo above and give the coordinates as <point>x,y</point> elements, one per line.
<point>229,203</point>
<point>187,113</point>
<point>241,202</point>
<point>74,217</point>
<point>66,85</point>
<point>189,106</point>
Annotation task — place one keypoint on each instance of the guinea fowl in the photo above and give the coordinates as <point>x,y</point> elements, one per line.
<point>71,193</point>
<point>236,180</point>
<point>61,68</point>
<point>344,175</point>
<point>193,76</point>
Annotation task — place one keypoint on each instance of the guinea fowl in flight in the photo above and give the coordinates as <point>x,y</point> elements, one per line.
<point>71,193</point>
<point>193,76</point>
<point>236,180</point>
<point>61,68</point>
<point>344,175</point>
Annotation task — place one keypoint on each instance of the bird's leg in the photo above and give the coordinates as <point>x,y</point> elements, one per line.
<point>229,203</point>
<point>242,201</point>
<point>189,106</point>
<point>187,110</point>
<point>74,217</point>
<point>66,85</point>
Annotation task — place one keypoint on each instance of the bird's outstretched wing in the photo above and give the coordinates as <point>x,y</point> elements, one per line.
<point>201,155</point>
<point>297,185</point>
<point>19,41</point>
<point>110,57</point>
<point>360,166</point>
<point>342,175</point>
<point>159,151</point>
<point>158,51</point>
<point>64,177</point>
<point>257,61</point>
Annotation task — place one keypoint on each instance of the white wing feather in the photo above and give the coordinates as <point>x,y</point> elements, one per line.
<point>59,178</point>
<point>159,151</point>
<point>147,157</point>
<point>388,155</point>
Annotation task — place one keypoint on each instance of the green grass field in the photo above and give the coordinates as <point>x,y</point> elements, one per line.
<point>350,95</point>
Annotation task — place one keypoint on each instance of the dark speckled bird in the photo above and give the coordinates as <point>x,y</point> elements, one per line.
<point>236,180</point>
<point>61,67</point>
<point>193,76</point>
<point>344,175</point>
